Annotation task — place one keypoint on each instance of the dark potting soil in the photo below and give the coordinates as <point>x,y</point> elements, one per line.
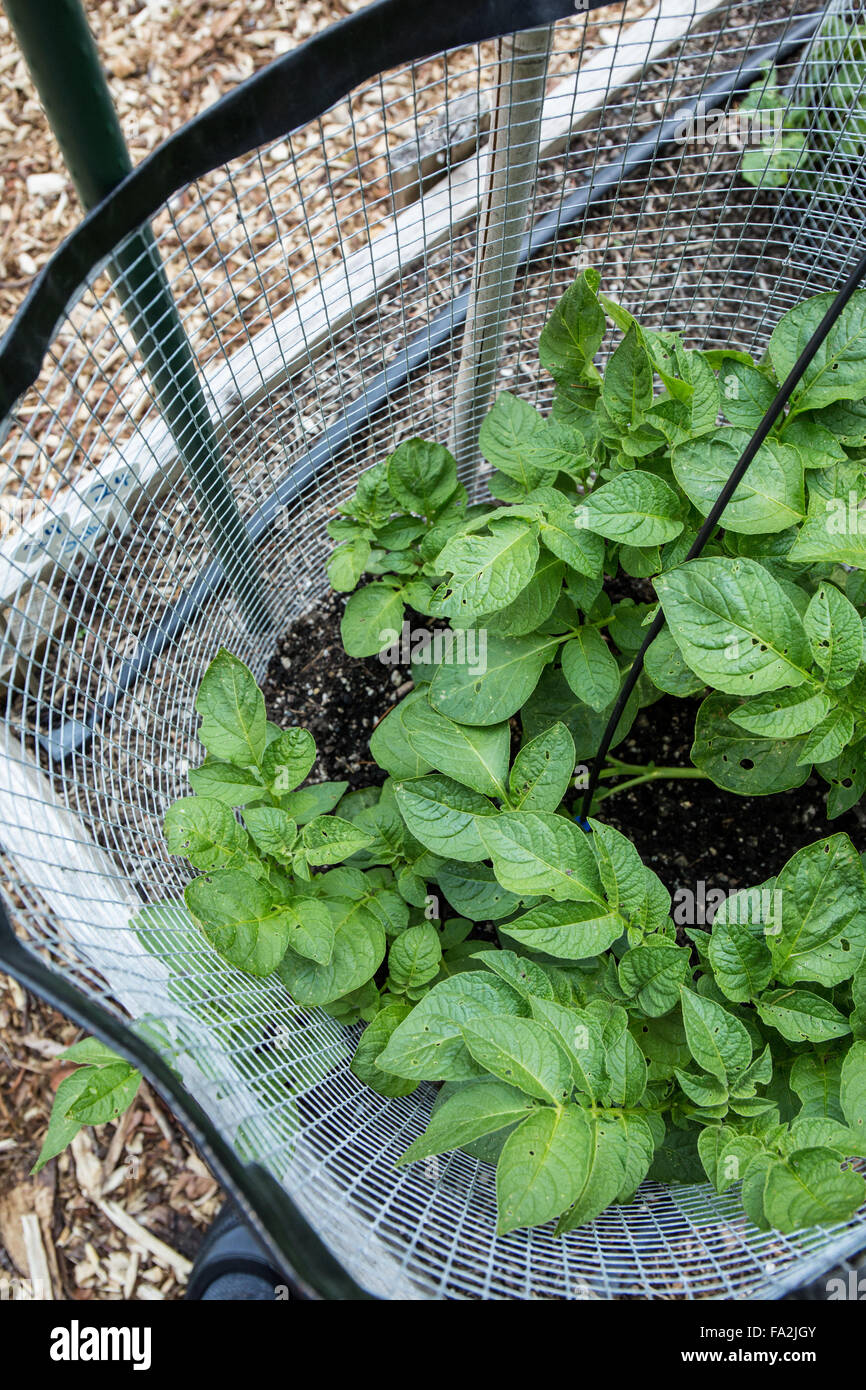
<point>687,831</point>
<point>311,682</point>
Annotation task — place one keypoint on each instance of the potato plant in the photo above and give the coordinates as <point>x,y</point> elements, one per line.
<point>489,938</point>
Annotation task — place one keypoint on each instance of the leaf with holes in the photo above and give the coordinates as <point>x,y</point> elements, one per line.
<point>735,625</point>
<point>542,771</point>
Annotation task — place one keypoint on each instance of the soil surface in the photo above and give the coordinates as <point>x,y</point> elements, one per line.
<point>340,699</point>
<point>692,830</point>
<point>687,831</point>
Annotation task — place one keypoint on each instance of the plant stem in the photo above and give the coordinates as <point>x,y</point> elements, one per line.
<point>648,774</point>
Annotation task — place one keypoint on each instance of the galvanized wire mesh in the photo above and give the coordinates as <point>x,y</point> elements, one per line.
<point>297,286</point>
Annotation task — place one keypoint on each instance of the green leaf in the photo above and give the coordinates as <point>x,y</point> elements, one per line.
<point>389,741</point>
<point>627,391</point>
<point>234,786</point>
<point>853,1088</point>
<point>816,1079</point>
<point>473,891</point>
<point>624,1061</point>
<point>507,437</point>
<point>316,800</point>
<point>701,1089</point>
<point>89,1052</point>
<point>373,1041</point>
<point>801,1016</point>
<point>606,1176</point>
<point>441,814</point>
<point>372,620</point>
<point>429,1046</point>
<point>652,974</point>
<point>272,830</point>
<point>233,725</point>
<point>740,957</point>
<point>62,1128</point>
<point>106,1093</point>
<point>835,632</point>
<point>476,756</point>
<point>735,625</point>
<point>330,839</point>
<point>486,573</point>
<point>834,535</point>
<point>666,668</point>
<point>358,951</point>
<point>636,507</point>
<point>533,605</point>
<point>569,931</point>
<point>312,929</point>
<point>241,919</point>
<point>740,762</point>
<point>822,890</point>
<point>590,669</point>
<point>747,394</point>
<point>829,738</point>
<point>579,548</point>
<point>524,1054</point>
<point>347,563</point>
<point>718,1042</point>
<point>288,759</point>
<point>542,771</point>
<point>422,476</point>
<point>811,1189</point>
<point>414,957</point>
<point>573,333</point>
<point>838,369</point>
<point>489,691</point>
<point>543,1167</point>
<point>581,1036</point>
<point>480,1107</point>
<point>770,497</point>
<point>535,852</point>
<point>205,832</point>
<point>783,713</point>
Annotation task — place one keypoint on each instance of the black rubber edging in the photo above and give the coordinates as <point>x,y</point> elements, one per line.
<point>72,735</point>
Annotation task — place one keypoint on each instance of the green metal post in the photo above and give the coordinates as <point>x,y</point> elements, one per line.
<point>59,50</point>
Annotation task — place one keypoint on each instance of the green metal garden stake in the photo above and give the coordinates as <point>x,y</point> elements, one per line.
<point>59,50</point>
